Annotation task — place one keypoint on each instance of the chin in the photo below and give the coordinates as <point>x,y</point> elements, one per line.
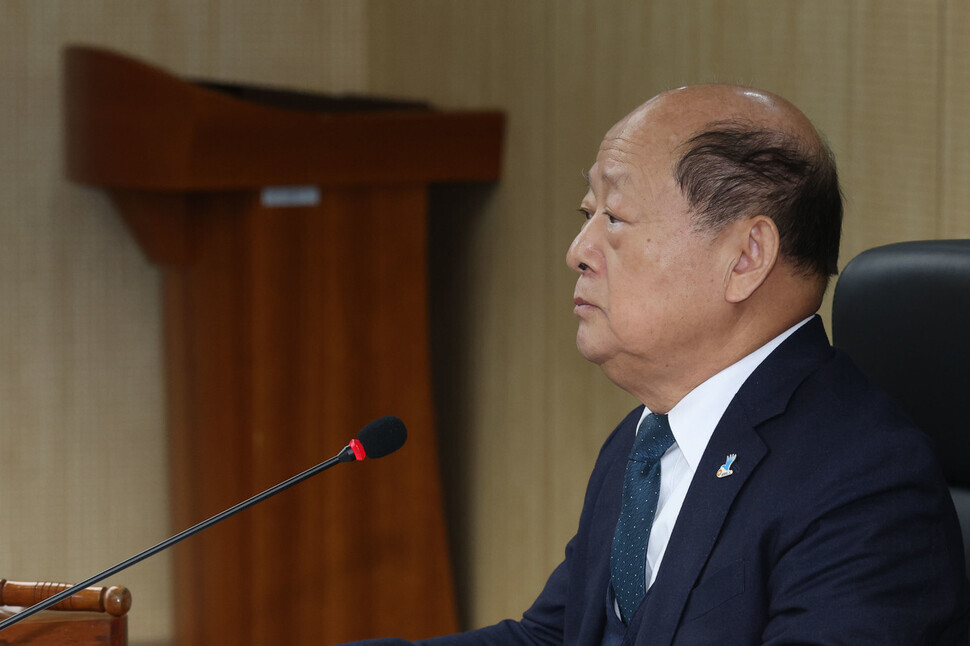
<point>590,350</point>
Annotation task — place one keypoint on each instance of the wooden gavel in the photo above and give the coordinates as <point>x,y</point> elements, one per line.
<point>114,600</point>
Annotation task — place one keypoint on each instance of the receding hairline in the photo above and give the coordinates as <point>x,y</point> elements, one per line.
<point>689,110</point>
<point>814,146</point>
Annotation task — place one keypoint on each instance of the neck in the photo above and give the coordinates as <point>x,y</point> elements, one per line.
<point>661,385</point>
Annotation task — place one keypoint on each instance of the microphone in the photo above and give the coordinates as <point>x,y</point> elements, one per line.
<point>381,437</point>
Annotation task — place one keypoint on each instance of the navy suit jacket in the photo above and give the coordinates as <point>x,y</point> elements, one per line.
<point>835,527</point>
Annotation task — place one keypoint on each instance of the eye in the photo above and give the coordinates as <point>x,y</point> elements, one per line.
<point>612,219</point>
<point>585,212</point>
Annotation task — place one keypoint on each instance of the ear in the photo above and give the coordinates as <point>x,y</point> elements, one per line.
<point>755,244</point>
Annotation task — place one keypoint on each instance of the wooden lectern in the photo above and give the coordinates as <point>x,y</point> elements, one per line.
<point>293,249</point>
<point>97,617</point>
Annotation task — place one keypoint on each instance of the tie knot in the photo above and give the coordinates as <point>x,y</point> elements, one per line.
<point>653,438</point>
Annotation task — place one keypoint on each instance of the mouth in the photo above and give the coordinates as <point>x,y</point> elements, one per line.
<point>581,304</point>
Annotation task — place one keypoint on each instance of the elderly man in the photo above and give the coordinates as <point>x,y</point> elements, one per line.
<point>766,492</point>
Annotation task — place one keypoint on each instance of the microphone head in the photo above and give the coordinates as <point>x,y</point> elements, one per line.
<point>383,436</point>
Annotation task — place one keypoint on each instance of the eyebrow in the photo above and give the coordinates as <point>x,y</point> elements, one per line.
<point>612,179</point>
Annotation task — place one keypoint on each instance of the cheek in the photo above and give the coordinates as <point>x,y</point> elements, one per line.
<point>700,292</point>
<point>636,302</point>
<point>652,294</point>
<point>641,279</point>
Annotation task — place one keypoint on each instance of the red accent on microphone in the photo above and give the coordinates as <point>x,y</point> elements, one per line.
<point>358,448</point>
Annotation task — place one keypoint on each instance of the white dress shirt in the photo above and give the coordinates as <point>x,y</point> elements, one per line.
<point>692,422</point>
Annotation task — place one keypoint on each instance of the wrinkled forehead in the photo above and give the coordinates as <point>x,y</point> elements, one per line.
<point>630,168</point>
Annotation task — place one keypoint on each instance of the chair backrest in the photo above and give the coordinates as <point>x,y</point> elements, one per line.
<point>902,312</point>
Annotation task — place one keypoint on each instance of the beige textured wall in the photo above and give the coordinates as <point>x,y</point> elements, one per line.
<point>83,470</point>
<point>885,80</point>
<point>82,447</point>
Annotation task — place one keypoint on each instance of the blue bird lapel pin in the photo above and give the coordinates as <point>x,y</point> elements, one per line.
<point>724,470</point>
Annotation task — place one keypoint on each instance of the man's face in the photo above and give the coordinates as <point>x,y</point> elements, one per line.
<point>649,285</point>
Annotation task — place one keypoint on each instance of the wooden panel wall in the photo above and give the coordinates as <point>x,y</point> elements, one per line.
<point>953,216</point>
<point>82,464</point>
<point>885,81</point>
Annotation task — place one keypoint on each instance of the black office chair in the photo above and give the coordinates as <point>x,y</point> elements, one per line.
<point>902,312</point>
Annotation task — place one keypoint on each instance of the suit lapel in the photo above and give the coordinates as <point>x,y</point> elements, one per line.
<point>764,395</point>
<point>605,515</point>
<point>699,523</point>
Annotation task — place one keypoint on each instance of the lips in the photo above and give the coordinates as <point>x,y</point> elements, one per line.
<point>581,304</point>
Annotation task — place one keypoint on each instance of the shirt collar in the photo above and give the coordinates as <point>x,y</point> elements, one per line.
<point>693,418</point>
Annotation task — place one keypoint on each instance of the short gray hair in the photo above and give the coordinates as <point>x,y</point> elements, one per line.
<point>732,169</point>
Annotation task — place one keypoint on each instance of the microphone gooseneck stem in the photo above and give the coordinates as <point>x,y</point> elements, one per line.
<point>346,455</point>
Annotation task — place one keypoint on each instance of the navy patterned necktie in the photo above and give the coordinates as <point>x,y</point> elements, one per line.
<point>641,488</point>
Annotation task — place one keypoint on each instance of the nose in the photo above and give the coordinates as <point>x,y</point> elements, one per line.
<point>581,253</point>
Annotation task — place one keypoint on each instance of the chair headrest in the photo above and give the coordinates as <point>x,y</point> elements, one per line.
<point>902,312</point>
